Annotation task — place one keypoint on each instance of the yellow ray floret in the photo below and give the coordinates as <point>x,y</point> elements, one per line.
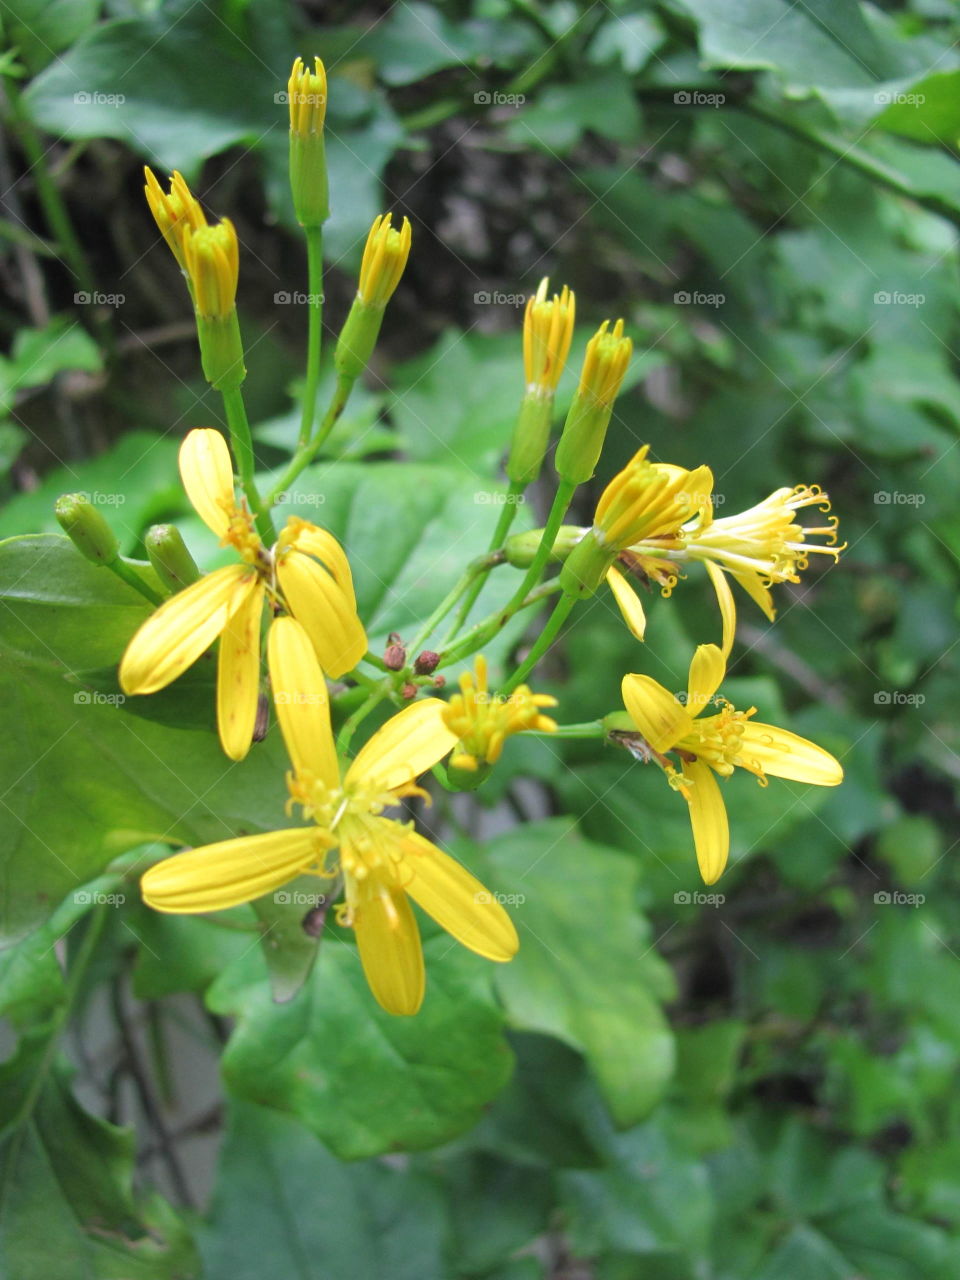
<point>384,259</point>
<point>482,721</point>
<point>175,212</point>
<point>307,97</point>
<point>547,334</point>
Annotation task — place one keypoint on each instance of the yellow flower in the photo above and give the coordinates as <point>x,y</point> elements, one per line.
<point>212,260</point>
<point>384,258</point>
<point>305,574</point>
<point>175,212</point>
<point>547,334</point>
<point>482,722</point>
<point>605,364</point>
<point>307,97</point>
<point>757,548</point>
<point>604,368</point>
<point>714,744</point>
<point>382,862</point>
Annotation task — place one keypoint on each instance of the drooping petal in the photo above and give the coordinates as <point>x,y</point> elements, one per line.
<point>754,586</point>
<point>628,601</point>
<point>324,546</point>
<point>325,610</point>
<point>207,475</point>
<point>707,670</point>
<point>655,711</point>
<point>457,900</point>
<point>238,673</point>
<point>234,871</point>
<point>708,816</point>
<point>728,607</point>
<point>766,749</point>
<point>410,743</point>
<point>181,629</point>
<point>388,940</point>
<point>300,696</point>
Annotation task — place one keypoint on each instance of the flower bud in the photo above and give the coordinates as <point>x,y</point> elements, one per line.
<point>384,259</point>
<point>586,566</point>
<point>175,213</point>
<point>395,657</point>
<point>604,367</point>
<point>213,261</point>
<point>86,528</point>
<point>167,552</point>
<point>307,99</point>
<point>521,548</point>
<point>426,663</point>
<point>547,334</point>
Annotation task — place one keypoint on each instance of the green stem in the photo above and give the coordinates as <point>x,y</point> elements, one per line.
<point>315,331</point>
<point>243,451</point>
<point>126,573</point>
<point>475,571</point>
<point>587,729</point>
<point>303,457</point>
<point>514,493</point>
<point>561,502</point>
<point>542,643</point>
<point>351,723</point>
<point>484,631</point>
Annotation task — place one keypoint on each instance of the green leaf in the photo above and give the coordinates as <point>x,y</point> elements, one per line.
<point>927,111</point>
<point>38,355</point>
<point>280,1193</point>
<point>361,1080</point>
<point>558,116</point>
<point>40,29</point>
<point>580,974</point>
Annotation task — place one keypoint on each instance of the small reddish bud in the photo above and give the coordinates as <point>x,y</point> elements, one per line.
<point>426,662</point>
<point>408,691</point>
<point>395,656</point>
<point>439,682</point>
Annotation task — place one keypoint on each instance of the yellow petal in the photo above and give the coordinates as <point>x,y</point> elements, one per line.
<point>728,608</point>
<point>300,695</point>
<point>766,749</point>
<point>410,743</point>
<point>389,944</point>
<point>234,871</point>
<point>324,546</point>
<point>708,816</point>
<point>753,584</point>
<point>706,672</point>
<point>655,711</point>
<point>457,900</point>
<point>238,673</point>
<point>629,602</point>
<point>322,606</point>
<point>181,629</point>
<point>207,475</point>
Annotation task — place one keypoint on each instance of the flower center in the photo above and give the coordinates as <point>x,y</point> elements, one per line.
<point>717,739</point>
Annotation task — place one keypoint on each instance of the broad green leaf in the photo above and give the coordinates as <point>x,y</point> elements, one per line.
<point>579,974</point>
<point>361,1080</point>
<point>40,29</point>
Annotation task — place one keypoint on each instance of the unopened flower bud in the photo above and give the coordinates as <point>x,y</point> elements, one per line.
<point>86,528</point>
<point>307,99</point>
<point>409,691</point>
<point>604,368</point>
<point>167,552</point>
<point>426,662</point>
<point>395,657</point>
<point>175,212</point>
<point>384,259</point>
<point>547,334</point>
<point>212,259</point>
<point>520,548</point>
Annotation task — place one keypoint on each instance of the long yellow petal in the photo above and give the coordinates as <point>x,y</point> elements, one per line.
<point>457,900</point>
<point>322,606</point>
<point>207,475</point>
<point>753,584</point>
<point>233,871</point>
<point>728,607</point>
<point>238,673</point>
<point>629,602</point>
<point>766,749</point>
<point>706,672</point>
<point>708,816</point>
<point>655,711</point>
<point>303,706</point>
<point>181,629</point>
<point>389,944</point>
<point>324,546</point>
<point>410,743</point>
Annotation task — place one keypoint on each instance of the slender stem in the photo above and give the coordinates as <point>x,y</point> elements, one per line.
<point>588,729</point>
<point>315,331</point>
<point>561,502</point>
<point>375,661</point>
<point>303,457</point>
<point>475,571</point>
<point>484,631</point>
<point>542,643</point>
<point>351,723</point>
<point>243,450</point>
<point>514,493</point>
<point>126,573</point>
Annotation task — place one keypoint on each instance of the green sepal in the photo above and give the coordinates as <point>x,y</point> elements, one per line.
<point>582,440</point>
<point>531,436</point>
<point>586,566</point>
<point>358,337</point>
<point>308,179</point>
<point>221,351</point>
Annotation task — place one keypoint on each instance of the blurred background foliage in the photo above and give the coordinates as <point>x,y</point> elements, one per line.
<point>757,1087</point>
